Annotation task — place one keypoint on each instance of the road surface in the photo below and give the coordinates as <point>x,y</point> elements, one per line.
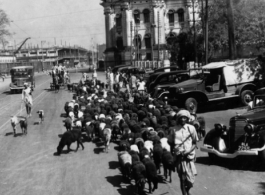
<point>28,165</point>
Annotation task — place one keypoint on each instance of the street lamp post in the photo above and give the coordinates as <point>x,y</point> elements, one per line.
<point>42,54</point>
<point>194,28</point>
<point>152,41</point>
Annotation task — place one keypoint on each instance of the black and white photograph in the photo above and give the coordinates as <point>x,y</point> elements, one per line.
<point>132,97</point>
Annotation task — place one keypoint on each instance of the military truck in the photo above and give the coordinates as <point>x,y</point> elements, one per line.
<point>223,80</point>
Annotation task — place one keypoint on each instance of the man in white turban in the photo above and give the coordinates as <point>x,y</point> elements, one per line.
<point>185,139</point>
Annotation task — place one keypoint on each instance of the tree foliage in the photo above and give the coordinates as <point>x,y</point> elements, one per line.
<point>249,23</point>
<point>4,32</point>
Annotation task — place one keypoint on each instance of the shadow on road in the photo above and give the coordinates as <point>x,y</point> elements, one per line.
<point>60,135</point>
<point>63,115</point>
<point>17,134</point>
<point>9,133</point>
<point>114,165</point>
<point>98,150</point>
<point>117,181</point>
<point>262,187</point>
<point>220,106</point>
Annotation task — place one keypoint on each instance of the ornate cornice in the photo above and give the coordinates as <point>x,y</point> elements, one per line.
<point>158,3</point>
<point>108,10</point>
<point>125,6</point>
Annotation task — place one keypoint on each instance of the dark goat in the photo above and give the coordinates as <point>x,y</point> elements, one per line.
<point>24,125</point>
<point>168,164</point>
<point>151,173</point>
<point>68,124</point>
<point>143,153</point>
<point>135,157</point>
<point>157,155</point>
<point>124,145</point>
<point>139,175</point>
<point>68,138</point>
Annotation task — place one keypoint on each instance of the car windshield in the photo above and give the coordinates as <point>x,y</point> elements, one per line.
<point>20,74</point>
<point>259,101</point>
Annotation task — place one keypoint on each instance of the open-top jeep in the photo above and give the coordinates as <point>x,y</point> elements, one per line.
<point>245,135</point>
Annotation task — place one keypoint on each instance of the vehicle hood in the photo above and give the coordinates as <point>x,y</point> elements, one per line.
<point>165,85</point>
<point>254,115</point>
<point>188,85</point>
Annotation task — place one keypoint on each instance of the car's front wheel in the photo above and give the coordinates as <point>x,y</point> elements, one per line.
<point>246,97</point>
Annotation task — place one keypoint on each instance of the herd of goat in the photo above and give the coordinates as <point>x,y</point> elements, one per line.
<point>141,126</point>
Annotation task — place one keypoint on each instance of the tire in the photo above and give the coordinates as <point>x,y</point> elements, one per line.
<point>246,97</point>
<point>191,105</point>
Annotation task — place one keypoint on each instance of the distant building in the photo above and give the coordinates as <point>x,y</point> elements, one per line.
<point>54,55</point>
<point>138,30</point>
<point>7,58</point>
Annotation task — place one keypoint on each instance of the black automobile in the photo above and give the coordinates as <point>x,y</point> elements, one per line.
<point>245,135</point>
<point>116,68</point>
<point>152,75</point>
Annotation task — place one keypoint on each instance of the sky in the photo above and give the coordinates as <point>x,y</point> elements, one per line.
<point>66,22</point>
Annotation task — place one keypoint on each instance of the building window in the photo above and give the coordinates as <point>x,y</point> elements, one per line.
<point>137,41</point>
<point>119,43</point>
<point>146,13</point>
<point>181,15</point>
<point>147,39</point>
<point>171,17</point>
<point>118,20</point>
<point>136,14</point>
<point>148,56</point>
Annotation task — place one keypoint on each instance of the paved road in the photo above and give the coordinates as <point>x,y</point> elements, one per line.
<point>28,165</point>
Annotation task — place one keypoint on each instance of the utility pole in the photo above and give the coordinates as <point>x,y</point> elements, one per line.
<point>158,34</point>
<point>231,33</point>
<point>194,28</point>
<point>152,42</point>
<point>131,25</point>
<point>206,31</point>
<point>203,29</point>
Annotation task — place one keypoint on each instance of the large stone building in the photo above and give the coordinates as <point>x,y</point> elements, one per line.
<point>137,30</point>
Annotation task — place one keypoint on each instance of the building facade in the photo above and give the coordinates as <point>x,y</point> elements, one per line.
<point>53,55</point>
<point>137,31</point>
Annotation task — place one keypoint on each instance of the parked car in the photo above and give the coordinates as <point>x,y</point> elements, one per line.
<point>116,68</point>
<point>131,70</point>
<point>223,81</point>
<point>152,75</point>
<point>245,135</point>
<point>168,79</point>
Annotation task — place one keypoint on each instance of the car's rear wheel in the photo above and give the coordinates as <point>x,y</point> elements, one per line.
<point>246,97</point>
<point>191,105</point>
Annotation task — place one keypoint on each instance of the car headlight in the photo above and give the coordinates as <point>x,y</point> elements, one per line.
<point>181,90</point>
<point>249,129</point>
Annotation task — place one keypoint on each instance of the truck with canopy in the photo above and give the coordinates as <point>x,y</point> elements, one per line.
<point>236,79</point>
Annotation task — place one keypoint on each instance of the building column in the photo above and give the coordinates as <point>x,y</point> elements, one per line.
<point>126,18</point>
<point>109,23</point>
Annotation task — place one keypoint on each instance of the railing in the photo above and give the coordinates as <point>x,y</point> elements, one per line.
<point>147,64</point>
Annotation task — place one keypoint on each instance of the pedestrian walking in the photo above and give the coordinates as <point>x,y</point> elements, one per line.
<point>94,77</point>
<point>3,77</point>
<point>141,86</point>
<point>185,139</point>
<point>27,98</point>
<point>133,81</point>
<point>111,81</point>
